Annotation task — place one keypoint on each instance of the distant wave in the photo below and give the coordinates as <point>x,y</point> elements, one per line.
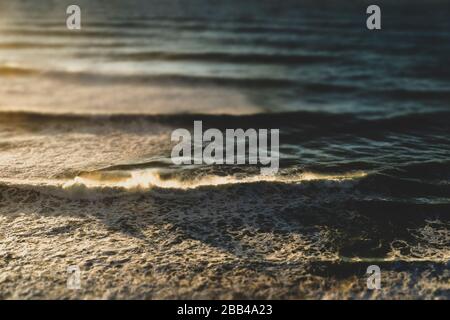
<point>6,70</point>
<point>29,45</point>
<point>321,120</point>
<point>405,94</point>
<point>247,58</point>
<point>178,79</point>
<point>240,82</point>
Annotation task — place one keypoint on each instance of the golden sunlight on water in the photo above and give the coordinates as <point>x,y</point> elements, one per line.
<point>144,179</point>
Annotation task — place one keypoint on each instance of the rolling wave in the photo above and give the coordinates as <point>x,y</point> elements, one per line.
<point>304,119</point>
<point>246,58</point>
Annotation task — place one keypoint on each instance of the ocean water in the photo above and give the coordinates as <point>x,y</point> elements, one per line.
<point>85,170</point>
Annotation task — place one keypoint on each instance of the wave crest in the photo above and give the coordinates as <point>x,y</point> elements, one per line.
<point>150,178</point>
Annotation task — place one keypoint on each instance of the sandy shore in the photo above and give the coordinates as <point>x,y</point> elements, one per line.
<point>165,245</point>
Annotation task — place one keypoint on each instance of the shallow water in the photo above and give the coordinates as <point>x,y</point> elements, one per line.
<point>85,124</point>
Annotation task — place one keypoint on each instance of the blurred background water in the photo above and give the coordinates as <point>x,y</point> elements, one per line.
<point>289,56</point>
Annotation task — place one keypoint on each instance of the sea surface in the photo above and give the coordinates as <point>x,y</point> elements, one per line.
<point>85,171</point>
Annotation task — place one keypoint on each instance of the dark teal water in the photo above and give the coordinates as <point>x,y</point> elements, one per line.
<point>345,99</point>
<point>295,55</point>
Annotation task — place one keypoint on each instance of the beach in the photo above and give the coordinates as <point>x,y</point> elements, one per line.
<point>87,179</point>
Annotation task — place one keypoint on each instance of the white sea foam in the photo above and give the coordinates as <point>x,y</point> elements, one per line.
<point>149,178</point>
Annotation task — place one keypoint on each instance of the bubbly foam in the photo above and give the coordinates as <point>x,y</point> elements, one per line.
<point>149,178</point>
